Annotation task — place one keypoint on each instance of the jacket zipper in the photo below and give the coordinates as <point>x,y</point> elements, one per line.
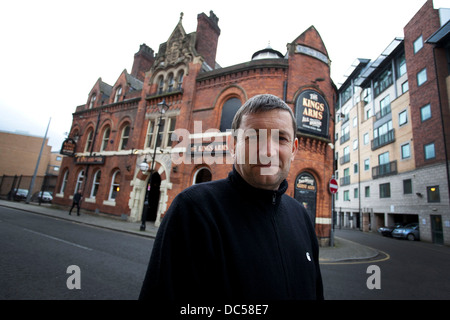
<point>275,227</point>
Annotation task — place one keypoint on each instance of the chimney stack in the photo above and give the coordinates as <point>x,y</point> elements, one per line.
<point>143,61</point>
<point>208,32</point>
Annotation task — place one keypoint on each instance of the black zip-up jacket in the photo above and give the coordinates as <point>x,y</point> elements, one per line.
<point>225,240</point>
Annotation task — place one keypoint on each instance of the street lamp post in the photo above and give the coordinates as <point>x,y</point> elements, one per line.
<point>162,108</point>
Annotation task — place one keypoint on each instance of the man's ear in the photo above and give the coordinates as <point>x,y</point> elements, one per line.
<point>294,149</point>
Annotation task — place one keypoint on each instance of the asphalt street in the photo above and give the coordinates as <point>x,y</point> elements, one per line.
<point>408,270</point>
<point>38,253</point>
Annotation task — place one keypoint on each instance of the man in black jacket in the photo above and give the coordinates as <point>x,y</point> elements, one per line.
<point>240,238</point>
<point>76,202</point>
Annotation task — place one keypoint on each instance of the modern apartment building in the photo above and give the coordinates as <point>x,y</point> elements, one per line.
<point>392,133</point>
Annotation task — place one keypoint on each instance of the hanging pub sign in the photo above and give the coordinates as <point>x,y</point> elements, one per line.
<point>312,113</point>
<point>68,147</point>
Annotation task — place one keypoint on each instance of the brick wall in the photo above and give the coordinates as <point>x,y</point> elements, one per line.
<point>19,154</point>
<point>424,23</point>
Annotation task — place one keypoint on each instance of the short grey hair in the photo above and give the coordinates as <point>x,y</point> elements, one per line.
<point>262,103</point>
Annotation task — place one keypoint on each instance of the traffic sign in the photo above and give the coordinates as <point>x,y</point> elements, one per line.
<point>333,186</point>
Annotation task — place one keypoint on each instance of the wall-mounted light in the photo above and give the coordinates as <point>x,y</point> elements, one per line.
<point>144,166</point>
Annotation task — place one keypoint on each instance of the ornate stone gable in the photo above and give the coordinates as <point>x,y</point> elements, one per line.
<point>179,48</point>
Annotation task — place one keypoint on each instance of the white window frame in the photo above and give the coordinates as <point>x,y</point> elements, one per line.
<point>95,183</point>
<point>64,182</point>
<point>122,137</point>
<point>118,94</point>
<point>80,179</point>
<point>92,101</point>
<point>89,141</point>
<point>105,139</point>
<point>111,189</point>
<point>180,77</point>
<point>165,132</point>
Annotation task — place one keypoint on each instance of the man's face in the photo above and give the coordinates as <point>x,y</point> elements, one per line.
<point>264,148</point>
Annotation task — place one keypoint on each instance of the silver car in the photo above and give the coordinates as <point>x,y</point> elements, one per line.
<point>45,197</point>
<point>410,232</point>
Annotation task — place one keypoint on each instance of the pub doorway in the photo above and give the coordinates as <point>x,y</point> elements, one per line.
<point>153,189</point>
<point>306,193</point>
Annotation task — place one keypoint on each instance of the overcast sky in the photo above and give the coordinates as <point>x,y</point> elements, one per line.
<point>53,51</point>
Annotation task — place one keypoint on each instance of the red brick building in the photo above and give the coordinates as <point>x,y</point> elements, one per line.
<point>117,129</point>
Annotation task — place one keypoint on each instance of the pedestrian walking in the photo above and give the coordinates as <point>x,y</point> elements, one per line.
<point>76,202</point>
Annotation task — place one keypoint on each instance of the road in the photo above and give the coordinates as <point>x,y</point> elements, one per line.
<point>408,271</point>
<point>36,252</point>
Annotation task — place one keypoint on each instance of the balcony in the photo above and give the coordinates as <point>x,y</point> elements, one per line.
<point>344,181</point>
<point>383,112</point>
<point>344,159</point>
<point>383,139</point>
<point>345,118</point>
<point>384,170</point>
<point>345,138</point>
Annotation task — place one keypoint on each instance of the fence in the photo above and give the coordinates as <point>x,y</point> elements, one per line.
<point>8,184</point>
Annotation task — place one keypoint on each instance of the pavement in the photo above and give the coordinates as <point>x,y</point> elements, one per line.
<point>343,250</point>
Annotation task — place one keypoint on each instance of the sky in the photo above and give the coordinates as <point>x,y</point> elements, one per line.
<point>52,52</point>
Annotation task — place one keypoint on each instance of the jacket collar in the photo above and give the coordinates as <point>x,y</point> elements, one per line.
<point>237,181</point>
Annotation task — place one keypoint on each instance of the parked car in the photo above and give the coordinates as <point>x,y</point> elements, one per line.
<point>45,196</point>
<point>387,231</point>
<point>410,232</point>
<point>20,194</point>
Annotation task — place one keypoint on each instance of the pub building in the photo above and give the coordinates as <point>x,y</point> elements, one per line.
<point>137,143</point>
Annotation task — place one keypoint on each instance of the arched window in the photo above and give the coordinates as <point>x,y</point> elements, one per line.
<point>115,186</point>
<point>96,183</point>
<point>118,94</point>
<point>105,138</point>
<point>160,84</point>
<point>92,101</point>
<point>64,181</point>
<point>89,141</point>
<point>180,79</point>
<point>80,179</point>
<point>124,137</point>
<point>170,83</point>
<point>229,109</point>
<point>202,175</point>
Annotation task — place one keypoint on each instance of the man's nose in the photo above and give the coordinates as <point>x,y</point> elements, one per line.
<point>268,145</point>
